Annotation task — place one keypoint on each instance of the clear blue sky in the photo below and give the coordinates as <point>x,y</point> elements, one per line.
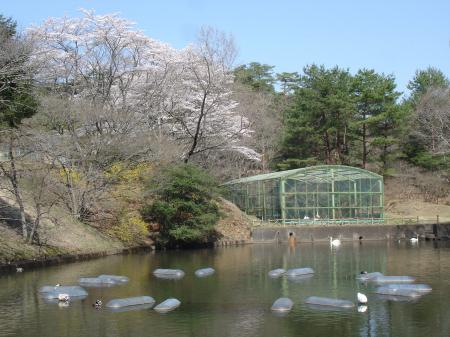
<point>391,36</point>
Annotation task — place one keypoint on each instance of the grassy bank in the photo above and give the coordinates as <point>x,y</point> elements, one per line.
<point>70,238</point>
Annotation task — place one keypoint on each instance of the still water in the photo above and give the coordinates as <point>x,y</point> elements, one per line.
<point>236,300</point>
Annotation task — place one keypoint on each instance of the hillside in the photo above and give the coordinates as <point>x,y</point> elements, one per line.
<point>413,192</point>
<point>68,236</point>
<point>61,237</point>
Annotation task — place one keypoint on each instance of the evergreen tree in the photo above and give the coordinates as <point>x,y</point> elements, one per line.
<point>184,206</point>
<point>317,125</point>
<point>425,80</point>
<point>288,82</point>
<point>375,96</point>
<point>256,75</point>
<point>8,25</point>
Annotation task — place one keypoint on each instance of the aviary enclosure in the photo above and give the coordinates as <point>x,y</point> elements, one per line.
<point>326,193</point>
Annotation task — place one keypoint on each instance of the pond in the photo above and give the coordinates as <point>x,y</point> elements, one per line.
<point>236,300</point>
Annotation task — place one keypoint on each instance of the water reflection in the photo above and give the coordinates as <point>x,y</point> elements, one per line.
<point>236,300</point>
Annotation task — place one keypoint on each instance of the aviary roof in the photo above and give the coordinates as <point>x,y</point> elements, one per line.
<point>321,173</point>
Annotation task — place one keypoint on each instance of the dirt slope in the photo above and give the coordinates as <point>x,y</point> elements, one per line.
<point>234,225</point>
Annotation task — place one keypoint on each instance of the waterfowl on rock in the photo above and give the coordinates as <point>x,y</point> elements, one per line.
<point>63,297</point>
<point>97,304</point>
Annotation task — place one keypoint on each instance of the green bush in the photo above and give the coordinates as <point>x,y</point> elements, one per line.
<point>432,161</point>
<point>183,205</point>
<point>416,153</point>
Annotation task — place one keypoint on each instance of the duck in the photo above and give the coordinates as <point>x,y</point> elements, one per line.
<point>97,304</point>
<point>362,299</point>
<point>19,270</point>
<point>416,239</point>
<point>335,242</point>
<point>63,297</point>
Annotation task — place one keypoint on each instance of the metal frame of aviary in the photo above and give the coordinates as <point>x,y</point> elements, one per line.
<point>326,193</point>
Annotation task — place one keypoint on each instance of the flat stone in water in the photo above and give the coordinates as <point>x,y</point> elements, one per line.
<point>168,273</point>
<point>53,291</point>
<point>283,304</point>
<point>114,278</point>
<point>394,279</point>
<point>130,301</point>
<point>404,292</point>
<point>96,282</point>
<point>333,302</point>
<point>277,272</point>
<point>420,288</point>
<point>203,272</point>
<point>368,276</point>
<point>168,305</point>
<point>299,271</point>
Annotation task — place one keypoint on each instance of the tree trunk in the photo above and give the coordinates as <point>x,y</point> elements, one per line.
<point>328,148</point>
<point>36,223</point>
<point>198,128</point>
<point>364,158</point>
<point>15,184</point>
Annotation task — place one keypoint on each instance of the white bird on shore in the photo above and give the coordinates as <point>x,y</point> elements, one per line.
<point>335,242</point>
<point>416,239</point>
<point>63,297</point>
<point>362,299</point>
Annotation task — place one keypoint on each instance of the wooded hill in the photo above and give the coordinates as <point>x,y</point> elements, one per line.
<point>91,107</point>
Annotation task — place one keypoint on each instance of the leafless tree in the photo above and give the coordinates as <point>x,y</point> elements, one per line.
<point>12,174</point>
<point>433,120</point>
<point>264,120</point>
<point>25,181</point>
<point>83,156</point>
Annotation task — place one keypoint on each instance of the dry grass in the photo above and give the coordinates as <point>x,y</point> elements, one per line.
<point>413,193</point>
<point>234,224</point>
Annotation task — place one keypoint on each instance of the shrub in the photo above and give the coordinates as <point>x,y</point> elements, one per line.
<point>130,229</point>
<point>183,204</point>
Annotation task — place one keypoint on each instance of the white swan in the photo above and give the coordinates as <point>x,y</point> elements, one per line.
<point>362,299</point>
<point>63,297</point>
<point>335,242</point>
<point>416,239</point>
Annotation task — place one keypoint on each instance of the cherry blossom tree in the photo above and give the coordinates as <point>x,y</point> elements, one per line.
<point>141,85</point>
<point>204,116</point>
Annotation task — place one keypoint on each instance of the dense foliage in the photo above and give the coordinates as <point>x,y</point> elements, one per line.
<point>331,116</point>
<point>184,206</point>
